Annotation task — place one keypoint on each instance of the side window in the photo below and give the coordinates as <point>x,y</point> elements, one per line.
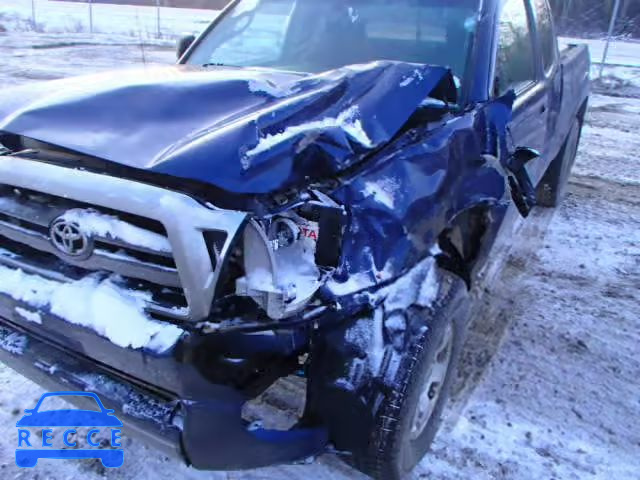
<point>545,33</point>
<point>515,63</point>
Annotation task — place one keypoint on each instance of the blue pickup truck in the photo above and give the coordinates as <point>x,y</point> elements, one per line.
<point>313,190</point>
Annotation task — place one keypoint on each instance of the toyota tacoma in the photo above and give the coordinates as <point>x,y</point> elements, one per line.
<point>312,192</point>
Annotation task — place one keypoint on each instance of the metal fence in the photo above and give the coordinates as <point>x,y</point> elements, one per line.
<point>93,17</point>
<point>90,15</point>
<point>590,18</point>
<point>612,25</point>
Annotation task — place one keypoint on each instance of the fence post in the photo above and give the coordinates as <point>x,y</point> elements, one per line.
<point>91,16</point>
<point>158,18</point>
<point>33,14</point>
<point>612,26</point>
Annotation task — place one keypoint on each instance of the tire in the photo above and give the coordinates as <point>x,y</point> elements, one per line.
<point>398,441</point>
<point>551,189</point>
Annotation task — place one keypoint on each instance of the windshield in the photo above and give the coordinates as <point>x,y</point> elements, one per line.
<point>314,36</point>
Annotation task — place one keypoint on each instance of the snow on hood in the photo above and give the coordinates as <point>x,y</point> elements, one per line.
<point>243,130</point>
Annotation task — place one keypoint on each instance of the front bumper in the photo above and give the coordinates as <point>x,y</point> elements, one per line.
<point>200,424</point>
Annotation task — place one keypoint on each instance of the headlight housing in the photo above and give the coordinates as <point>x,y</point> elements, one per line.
<point>281,274</point>
<point>289,256</point>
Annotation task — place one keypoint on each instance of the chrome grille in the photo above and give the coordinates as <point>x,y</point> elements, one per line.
<point>177,266</point>
<point>25,218</point>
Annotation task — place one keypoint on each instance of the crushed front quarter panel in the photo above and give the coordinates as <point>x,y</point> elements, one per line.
<point>415,188</point>
<point>399,206</point>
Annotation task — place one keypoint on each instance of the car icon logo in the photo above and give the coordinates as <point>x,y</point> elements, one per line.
<point>48,420</point>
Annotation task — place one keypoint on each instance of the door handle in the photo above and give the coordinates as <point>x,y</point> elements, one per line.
<point>543,109</point>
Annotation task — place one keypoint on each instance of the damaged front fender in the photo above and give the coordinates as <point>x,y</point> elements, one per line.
<point>414,190</point>
<point>359,366</point>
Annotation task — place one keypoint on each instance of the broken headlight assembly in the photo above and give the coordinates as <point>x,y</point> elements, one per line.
<point>286,258</point>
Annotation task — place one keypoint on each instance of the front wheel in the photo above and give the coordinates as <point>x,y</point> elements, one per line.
<point>410,415</point>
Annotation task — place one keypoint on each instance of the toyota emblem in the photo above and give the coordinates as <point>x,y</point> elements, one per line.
<point>68,238</point>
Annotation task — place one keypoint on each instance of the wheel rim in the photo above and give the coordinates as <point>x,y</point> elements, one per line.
<point>433,385</point>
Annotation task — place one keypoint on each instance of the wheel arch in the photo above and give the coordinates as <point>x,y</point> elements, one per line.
<point>466,241</point>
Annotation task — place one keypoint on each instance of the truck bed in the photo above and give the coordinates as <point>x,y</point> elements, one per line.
<point>575,62</point>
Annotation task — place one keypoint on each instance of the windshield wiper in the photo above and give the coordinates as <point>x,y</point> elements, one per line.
<point>215,64</point>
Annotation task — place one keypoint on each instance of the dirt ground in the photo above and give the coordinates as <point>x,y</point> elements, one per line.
<point>549,384</point>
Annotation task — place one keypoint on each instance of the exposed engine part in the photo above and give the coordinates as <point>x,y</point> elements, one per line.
<point>283,232</point>
<point>331,220</point>
<point>288,257</point>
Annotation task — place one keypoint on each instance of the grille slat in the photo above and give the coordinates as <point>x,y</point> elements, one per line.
<point>120,264</point>
<point>160,307</point>
<point>32,213</point>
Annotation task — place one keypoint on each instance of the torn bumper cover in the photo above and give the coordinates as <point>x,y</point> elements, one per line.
<point>197,420</point>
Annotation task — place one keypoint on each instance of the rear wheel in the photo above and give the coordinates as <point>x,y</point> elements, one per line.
<point>553,185</point>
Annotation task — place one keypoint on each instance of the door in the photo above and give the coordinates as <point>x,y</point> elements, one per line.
<point>551,74</point>
<point>517,67</point>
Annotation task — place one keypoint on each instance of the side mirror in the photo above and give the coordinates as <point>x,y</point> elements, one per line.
<point>183,45</point>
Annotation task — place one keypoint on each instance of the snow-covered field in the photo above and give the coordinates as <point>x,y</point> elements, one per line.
<point>74,17</point>
<point>620,53</point>
<point>549,384</point>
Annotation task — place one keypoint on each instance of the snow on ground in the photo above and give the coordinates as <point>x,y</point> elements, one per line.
<point>620,52</point>
<point>549,382</point>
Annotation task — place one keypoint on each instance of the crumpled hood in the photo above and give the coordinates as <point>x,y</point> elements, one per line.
<point>242,130</point>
